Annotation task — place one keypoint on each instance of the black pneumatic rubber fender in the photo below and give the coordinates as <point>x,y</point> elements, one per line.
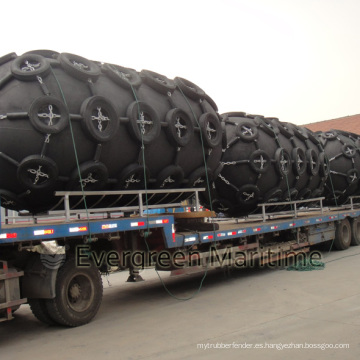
<point>78,294</point>
<point>180,128</point>
<point>142,114</point>
<point>29,66</point>
<point>98,113</point>
<point>79,67</point>
<point>211,130</point>
<point>37,172</point>
<point>48,115</point>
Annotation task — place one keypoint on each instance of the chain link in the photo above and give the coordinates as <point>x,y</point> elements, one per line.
<point>228,163</point>
<point>38,173</point>
<point>224,180</point>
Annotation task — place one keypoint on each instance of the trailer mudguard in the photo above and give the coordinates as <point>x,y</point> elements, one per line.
<point>39,279</point>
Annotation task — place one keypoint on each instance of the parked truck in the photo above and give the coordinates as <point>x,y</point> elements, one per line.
<point>54,262</point>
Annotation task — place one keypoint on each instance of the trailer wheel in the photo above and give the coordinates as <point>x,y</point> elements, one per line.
<point>39,309</point>
<point>355,231</point>
<point>78,294</point>
<point>342,235</point>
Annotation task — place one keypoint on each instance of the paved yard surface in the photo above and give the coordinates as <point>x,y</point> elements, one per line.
<point>253,314</point>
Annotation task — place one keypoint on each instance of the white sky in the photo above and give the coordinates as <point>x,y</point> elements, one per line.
<point>298,60</point>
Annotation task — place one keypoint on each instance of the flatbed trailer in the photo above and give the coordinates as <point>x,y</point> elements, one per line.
<point>54,262</point>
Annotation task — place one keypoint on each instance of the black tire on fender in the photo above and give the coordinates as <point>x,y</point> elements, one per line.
<point>211,130</point>
<point>290,194</point>
<point>180,128</point>
<point>248,195</point>
<point>37,172</point>
<point>234,114</point>
<point>324,167</point>
<point>273,195</point>
<point>6,58</point>
<point>48,115</point>
<point>122,76</point>
<point>200,177</point>
<point>50,54</point>
<point>144,124</point>
<point>211,102</point>
<point>190,89</point>
<point>304,194</point>
<point>29,66</point>
<point>224,141</point>
<point>10,200</point>
<point>342,235</point>
<point>355,231</point>
<point>349,151</point>
<point>313,162</point>
<point>352,176</point>
<point>269,127</point>
<point>94,176</point>
<point>170,177</point>
<point>100,118</point>
<point>330,135</point>
<point>78,294</point>
<point>79,67</point>
<point>133,177</point>
<point>260,161</point>
<point>247,131</point>
<point>158,82</point>
<point>299,161</point>
<point>283,161</point>
<point>40,311</point>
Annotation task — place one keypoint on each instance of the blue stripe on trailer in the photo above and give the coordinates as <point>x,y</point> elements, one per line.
<point>84,228</point>
<point>268,227</point>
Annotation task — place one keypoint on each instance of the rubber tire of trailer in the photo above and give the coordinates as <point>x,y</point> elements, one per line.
<point>342,235</point>
<point>39,309</point>
<point>78,294</point>
<point>355,231</point>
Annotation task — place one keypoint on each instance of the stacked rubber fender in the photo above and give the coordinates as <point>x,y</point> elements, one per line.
<point>343,158</point>
<point>129,129</point>
<point>266,161</point>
